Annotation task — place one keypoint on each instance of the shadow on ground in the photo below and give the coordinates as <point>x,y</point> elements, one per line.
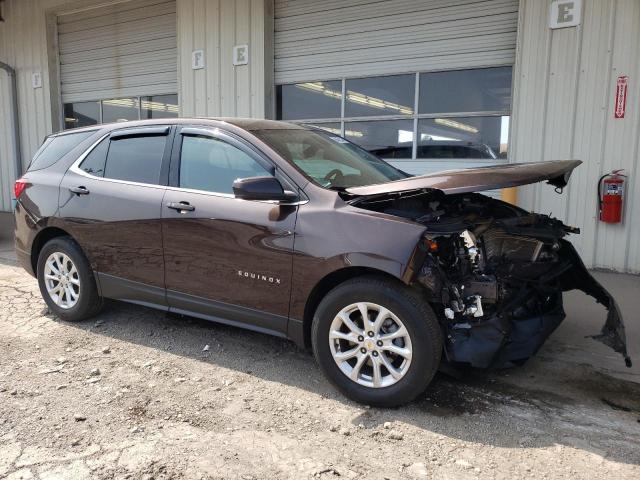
<point>546,402</point>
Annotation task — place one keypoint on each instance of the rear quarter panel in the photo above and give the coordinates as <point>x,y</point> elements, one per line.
<point>38,206</point>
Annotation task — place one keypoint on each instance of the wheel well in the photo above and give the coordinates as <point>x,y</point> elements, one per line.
<point>328,283</point>
<point>41,239</point>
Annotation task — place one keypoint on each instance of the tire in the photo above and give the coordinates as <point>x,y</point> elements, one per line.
<point>83,301</point>
<point>422,338</point>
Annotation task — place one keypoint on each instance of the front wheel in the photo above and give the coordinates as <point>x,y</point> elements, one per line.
<point>377,341</point>
<point>66,280</point>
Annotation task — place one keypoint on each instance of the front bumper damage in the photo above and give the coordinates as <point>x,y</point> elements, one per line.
<point>503,340</point>
<point>579,278</point>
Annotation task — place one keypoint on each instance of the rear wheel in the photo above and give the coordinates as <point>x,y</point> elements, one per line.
<point>377,341</point>
<point>66,280</point>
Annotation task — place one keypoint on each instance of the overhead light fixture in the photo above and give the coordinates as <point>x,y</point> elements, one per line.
<point>319,87</point>
<point>355,97</point>
<point>447,122</point>
<point>374,102</point>
<point>122,102</point>
<point>159,106</point>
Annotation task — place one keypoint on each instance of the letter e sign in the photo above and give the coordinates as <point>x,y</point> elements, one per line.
<point>565,13</point>
<point>241,54</point>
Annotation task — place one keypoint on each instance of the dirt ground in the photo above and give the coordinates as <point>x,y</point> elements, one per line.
<point>140,394</point>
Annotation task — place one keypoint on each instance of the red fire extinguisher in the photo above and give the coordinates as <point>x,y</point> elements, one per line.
<point>611,196</point>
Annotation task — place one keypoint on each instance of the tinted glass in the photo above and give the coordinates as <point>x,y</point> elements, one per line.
<point>95,161</point>
<point>463,137</point>
<point>481,90</point>
<point>309,100</point>
<point>81,114</point>
<point>392,95</point>
<point>159,106</point>
<point>136,159</point>
<point>213,165</point>
<point>120,110</point>
<point>54,148</point>
<point>384,138</point>
<point>329,160</point>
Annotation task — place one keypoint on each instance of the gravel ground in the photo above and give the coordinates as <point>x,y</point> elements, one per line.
<point>136,393</point>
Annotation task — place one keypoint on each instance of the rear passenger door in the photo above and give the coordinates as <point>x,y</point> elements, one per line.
<point>111,202</point>
<point>225,258</point>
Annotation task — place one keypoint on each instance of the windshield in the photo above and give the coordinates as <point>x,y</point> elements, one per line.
<point>329,160</point>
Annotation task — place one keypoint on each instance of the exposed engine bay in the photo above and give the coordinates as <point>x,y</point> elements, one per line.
<point>494,274</point>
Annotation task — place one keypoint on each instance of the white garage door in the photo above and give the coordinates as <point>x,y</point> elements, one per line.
<point>125,53</point>
<point>423,83</point>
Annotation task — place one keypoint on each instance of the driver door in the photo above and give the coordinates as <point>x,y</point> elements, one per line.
<point>225,258</point>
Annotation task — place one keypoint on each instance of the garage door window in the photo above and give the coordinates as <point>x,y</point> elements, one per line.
<point>82,114</point>
<point>460,114</point>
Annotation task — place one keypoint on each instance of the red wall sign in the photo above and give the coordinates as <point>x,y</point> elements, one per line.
<point>621,96</point>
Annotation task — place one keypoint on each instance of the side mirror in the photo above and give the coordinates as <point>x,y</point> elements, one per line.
<point>262,188</point>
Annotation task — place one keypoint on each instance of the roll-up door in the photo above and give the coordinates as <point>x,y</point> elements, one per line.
<point>126,49</point>
<point>336,38</point>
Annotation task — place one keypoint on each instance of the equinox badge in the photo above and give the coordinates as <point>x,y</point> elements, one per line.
<point>258,276</point>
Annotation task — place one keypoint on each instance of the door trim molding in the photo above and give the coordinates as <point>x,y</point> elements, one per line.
<point>118,288</point>
<point>227,313</point>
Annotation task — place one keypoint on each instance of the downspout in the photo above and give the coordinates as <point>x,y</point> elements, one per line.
<point>16,124</point>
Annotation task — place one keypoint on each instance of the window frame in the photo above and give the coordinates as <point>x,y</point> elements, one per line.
<point>416,116</point>
<point>127,132</point>
<point>216,133</point>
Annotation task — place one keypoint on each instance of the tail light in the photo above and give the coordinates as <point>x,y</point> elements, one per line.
<point>19,187</point>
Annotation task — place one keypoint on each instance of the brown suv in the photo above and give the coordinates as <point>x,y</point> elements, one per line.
<point>299,233</point>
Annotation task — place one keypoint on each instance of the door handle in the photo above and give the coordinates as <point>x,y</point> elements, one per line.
<point>79,190</point>
<point>181,206</point>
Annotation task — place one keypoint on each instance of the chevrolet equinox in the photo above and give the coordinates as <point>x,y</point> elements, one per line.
<point>297,232</point>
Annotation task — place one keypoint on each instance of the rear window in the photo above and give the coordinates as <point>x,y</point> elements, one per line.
<point>54,148</point>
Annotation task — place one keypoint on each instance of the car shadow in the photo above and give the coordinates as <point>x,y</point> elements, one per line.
<point>543,403</point>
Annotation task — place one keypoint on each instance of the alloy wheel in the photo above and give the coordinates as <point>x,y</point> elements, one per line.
<point>62,280</point>
<point>370,345</point>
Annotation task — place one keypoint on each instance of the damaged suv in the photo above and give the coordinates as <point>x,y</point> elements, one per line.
<point>297,232</point>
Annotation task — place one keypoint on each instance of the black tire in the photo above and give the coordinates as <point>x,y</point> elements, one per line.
<point>89,303</point>
<point>416,315</point>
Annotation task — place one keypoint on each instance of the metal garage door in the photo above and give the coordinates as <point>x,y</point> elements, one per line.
<point>122,50</point>
<point>336,38</point>
<point>425,84</point>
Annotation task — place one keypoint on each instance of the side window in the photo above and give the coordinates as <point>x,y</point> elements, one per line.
<point>213,165</point>
<point>54,148</point>
<point>136,159</point>
<point>94,162</point>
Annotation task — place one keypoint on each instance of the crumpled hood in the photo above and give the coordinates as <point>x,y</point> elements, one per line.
<point>556,172</point>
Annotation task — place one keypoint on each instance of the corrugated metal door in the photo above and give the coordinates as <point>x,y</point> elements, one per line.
<point>120,50</point>
<point>333,38</point>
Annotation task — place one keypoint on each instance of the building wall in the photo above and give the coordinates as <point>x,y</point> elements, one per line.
<point>564,88</point>
<point>565,82</point>
<point>28,44</point>
<point>220,89</point>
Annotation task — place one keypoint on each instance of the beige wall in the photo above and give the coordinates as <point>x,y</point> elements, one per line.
<point>214,26</point>
<point>221,89</point>
<point>565,83</point>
